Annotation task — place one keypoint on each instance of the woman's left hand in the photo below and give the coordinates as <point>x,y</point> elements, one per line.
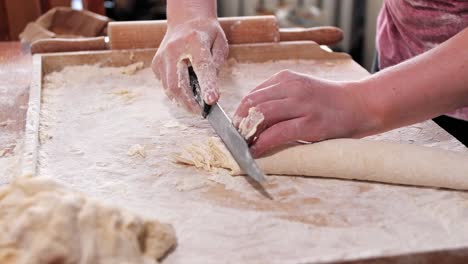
<point>298,107</point>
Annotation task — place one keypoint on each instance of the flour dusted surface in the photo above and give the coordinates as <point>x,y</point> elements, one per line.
<point>91,117</point>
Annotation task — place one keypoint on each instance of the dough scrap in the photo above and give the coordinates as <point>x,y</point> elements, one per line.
<point>132,68</point>
<point>42,222</point>
<point>248,125</point>
<point>136,149</point>
<point>352,159</point>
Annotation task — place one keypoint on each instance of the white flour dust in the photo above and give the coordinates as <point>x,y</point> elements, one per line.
<point>96,122</point>
<point>10,163</point>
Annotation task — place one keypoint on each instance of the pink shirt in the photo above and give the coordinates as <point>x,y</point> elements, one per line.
<point>407,28</point>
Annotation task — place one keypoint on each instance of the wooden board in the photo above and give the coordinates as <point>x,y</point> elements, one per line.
<point>47,63</point>
<point>309,220</point>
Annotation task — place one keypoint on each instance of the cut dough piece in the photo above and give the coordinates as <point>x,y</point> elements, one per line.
<point>248,125</point>
<point>347,159</point>
<point>208,156</point>
<point>42,222</point>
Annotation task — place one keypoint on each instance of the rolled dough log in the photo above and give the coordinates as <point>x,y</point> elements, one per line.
<point>347,159</point>
<point>42,222</point>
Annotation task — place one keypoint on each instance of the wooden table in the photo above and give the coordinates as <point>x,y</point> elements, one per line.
<point>15,74</point>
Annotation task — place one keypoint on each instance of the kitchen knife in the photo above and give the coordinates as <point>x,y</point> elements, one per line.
<point>223,126</point>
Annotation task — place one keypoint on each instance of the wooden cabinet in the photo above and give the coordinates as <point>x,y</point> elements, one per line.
<point>48,4</point>
<point>96,6</point>
<point>17,13</point>
<point>4,32</point>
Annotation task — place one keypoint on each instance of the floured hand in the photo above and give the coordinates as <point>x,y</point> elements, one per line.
<point>194,35</point>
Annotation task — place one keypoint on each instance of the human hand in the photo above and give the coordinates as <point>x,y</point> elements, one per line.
<point>298,107</point>
<point>200,41</point>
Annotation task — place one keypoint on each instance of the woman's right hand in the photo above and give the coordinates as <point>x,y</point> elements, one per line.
<point>194,37</point>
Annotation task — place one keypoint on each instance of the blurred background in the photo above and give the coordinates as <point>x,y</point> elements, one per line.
<point>357,18</point>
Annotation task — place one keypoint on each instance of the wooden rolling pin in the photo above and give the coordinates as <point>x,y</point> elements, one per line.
<point>238,30</point>
<point>149,34</point>
<point>67,45</point>
<point>320,35</point>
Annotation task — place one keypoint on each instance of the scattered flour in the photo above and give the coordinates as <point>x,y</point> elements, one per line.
<point>229,182</point>
<point>10,164</point>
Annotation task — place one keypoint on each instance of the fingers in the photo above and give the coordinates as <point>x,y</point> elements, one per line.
<point>208,74</point>
<point>183,90</point>
<point>171,68</point>
<point>271,93</point>
<point>272,81</point>
<point>208,79</point>
<point>278,135</point>
<point>275,79</point>
<point>220,49</point>
<point>273,112</point>
<point>205,68</point>
<point>174,77</point>
<point>277,111</point>
<point>206,48</point>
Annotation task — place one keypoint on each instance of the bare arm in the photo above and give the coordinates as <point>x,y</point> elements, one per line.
<point>424,87</point>
<point>179,11</point>
<point>300,107</point>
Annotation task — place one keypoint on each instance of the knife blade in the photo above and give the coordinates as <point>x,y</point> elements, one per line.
<point>229,135</point>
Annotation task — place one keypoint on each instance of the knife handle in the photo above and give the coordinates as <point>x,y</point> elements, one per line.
<point>197,92</point>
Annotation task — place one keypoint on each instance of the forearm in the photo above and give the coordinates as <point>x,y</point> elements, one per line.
<point>180,10</point>
<point>424,87</point>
